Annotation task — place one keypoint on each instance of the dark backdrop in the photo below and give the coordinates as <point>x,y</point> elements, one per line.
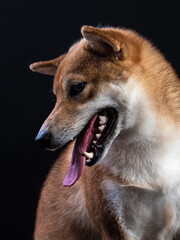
<point>39,30</point>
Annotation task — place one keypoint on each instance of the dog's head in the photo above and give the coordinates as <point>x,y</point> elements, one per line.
<point>98,93</point>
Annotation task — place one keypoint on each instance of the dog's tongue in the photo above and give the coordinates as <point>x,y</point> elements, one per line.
<point>78,159</point>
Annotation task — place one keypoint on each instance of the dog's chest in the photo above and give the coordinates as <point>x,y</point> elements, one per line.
<point>143,214</point>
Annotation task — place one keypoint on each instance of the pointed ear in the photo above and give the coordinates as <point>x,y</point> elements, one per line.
<point>100,40</point>
<point>47,67</point>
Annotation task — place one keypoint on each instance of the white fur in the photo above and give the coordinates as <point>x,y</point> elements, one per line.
<point>143,213</point>
<point>146,154</point>
<point>147,147</point>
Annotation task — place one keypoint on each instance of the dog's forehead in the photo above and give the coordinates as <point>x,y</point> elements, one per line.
<point>80,61</point>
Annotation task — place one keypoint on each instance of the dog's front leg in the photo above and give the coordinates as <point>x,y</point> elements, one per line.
<point>104,220</point>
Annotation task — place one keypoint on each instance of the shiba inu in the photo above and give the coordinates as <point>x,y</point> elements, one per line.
<point>118,113</point>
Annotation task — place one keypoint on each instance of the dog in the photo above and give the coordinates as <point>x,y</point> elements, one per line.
<point>118,115</point>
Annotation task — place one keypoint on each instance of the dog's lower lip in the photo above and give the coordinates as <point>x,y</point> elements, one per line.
<point>56,147</point>
<point>53,148</point>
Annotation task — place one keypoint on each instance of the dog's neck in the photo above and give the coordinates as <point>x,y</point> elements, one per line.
<point>145,162</point>
<point>150,170</point>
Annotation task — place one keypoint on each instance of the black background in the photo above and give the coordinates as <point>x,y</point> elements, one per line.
<point>40,30</point>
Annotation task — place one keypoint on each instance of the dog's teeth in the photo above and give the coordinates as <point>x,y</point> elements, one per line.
<point>101,117</point>
<point>89,155</point>
<point>101,128</point>
<point>95,142</point>
<point>103,120</point>
<point>98,135</point>
<point>88,160</point>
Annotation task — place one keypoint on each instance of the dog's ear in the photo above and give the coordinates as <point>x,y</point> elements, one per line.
<point>47,67</point>
<point>100,41</point>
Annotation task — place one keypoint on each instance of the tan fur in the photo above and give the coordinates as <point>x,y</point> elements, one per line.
<point>88,210</point>
<point>83,200</point>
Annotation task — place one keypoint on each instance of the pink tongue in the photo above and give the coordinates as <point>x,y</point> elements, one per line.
<point>78,159</point>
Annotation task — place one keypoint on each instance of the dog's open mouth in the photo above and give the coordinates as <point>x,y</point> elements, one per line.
<point>90,144</point>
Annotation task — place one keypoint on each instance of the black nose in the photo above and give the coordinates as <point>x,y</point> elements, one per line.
<point>43,138</point>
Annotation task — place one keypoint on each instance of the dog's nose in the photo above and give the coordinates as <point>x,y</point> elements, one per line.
<point>43,138</point>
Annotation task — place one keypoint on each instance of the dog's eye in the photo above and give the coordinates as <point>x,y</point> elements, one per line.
<point>76,88</point>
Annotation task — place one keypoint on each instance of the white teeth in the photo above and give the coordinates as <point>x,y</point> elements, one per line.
<point>88,160</point>
<point>101,128</point>
<point>98,135</point>
<point>103,120</point>
<point>95,142</point>
<point>89,155</point>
